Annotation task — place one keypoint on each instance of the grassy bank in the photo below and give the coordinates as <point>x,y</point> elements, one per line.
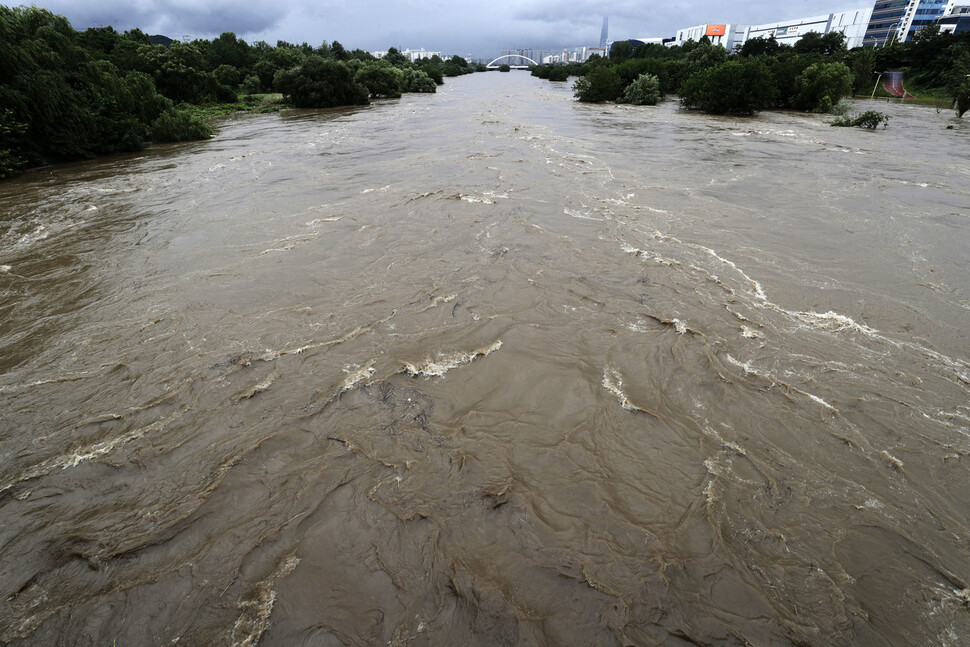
<point>255,103</point>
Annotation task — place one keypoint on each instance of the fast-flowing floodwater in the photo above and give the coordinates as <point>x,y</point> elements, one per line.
<point>492,367</point>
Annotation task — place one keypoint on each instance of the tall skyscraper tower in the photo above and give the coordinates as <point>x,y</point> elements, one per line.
<point>606,31</point>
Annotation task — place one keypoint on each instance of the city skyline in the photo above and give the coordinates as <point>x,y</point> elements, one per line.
<point>480,30</point>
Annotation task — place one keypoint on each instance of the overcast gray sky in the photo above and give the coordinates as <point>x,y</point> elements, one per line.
<point>450,26</point>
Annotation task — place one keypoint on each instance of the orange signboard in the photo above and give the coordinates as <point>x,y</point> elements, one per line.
<point>716,30</point>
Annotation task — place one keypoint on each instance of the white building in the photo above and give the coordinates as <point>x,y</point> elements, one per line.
<point>410,54</point>
<point>787,32</point>
<point>730,36</point>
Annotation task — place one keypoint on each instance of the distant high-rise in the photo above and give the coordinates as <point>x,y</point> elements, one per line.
<point>606,31</point>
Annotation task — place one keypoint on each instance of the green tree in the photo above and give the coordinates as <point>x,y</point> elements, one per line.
<point>644,91</point>
<point>559,73</point>
<point>862,62</point>
<point>962,99</point>
<point>394,57</point>
<point>226,49</point>
<point>227,75</point>
<point>739,87</point>
<point>338,52</point>
<point>381,79</point>
<point>417,80</point>
<point>705,56</point>
<point>820,86</point>
<point>760,46</point>
<point>319,83</point>
<point>179,126</point>
<point>621,50</point>
<point>831,44</point>
<point>602,83</point>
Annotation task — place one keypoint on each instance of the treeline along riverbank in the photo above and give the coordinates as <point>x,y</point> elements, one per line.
<point>66,94</point>
<point>812,75</point>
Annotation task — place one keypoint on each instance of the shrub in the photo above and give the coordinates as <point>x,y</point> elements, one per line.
<point>601,83</point>
<point>319,83</point>
<point>559,73</point>
<point>227,75</point>
<point>504,67</point>
<point>381,79</point>
<point>738,87</point>
<point>417,81</point>
<point>868,119</point>
<point>644,91</point>
<point>962,99</point>
<point>175,125</point>
<point>820,86</point>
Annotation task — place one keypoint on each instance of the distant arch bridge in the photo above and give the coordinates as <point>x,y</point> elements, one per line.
<point>493,66</point>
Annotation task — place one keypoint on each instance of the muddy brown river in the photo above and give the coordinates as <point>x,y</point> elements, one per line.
<point>492,367</point>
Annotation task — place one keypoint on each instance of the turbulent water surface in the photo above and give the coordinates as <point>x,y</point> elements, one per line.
<point>492,367</point>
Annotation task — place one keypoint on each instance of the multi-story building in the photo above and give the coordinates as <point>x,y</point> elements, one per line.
<point>852,24</point>
<point>410,54</point>
<point>894,20</point>
<point>730,36</point>
<point>956,20</point>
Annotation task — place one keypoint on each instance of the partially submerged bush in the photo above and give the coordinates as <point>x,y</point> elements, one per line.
<point>868,119</point>
<point>738,87</point>
<point>381,79</point>
<point>175,125</point>
<point>962,100</point>
<point>416,80</point>
<point>820,86</point>
<point>559,73</point>
<point>600,84</point>
<point>644,91</point>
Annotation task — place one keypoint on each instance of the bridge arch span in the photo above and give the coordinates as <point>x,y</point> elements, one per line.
<point>492,64</point>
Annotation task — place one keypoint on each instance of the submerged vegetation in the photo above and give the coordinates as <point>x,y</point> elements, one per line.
<point>812,75</point>
<point>68,95</point>
<point>868,119</point>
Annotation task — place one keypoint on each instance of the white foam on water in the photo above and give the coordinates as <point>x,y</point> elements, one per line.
<point>613,383</point>
<point>893,462</point>
<point>473,199</point>
<point>256,611</point>
<point>650,256</point>
<point>5,268</point>
<point>750,333</point>
<point>288,243</point>
<point>748,369</point>
<point>581,215</point>
<point>833,321</point>
<point>38,234</point>
<point>82,454</point>
<point>383,189</point>
<point>680,326</point>
<point>447,361</point>
<point>317,221</point>
<point>356,374</point>
<point>258,388</point>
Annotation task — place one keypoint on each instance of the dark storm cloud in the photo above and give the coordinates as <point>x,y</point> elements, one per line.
<point>172,16</point>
